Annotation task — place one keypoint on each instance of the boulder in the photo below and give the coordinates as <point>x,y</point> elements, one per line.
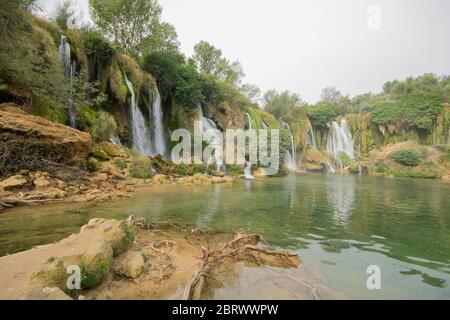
<point>41,182</point>
<point>161,179</point>
<point>13,182</point>
<point>38,293</point>
<point>130,264</point>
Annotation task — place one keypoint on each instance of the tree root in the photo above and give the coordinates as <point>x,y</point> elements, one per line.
<point>241,248</point>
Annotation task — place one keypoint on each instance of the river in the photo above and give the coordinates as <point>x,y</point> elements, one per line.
<point>340,224</point>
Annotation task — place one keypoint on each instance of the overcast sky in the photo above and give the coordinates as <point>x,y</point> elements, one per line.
<point>306,45</point>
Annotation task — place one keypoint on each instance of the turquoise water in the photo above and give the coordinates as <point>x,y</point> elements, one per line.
<point>340,224</point>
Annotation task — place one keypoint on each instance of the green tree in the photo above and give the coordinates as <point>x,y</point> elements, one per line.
<point>175,77</point>
<point>207,57</point>
<point>64,14</point>
<point>209,60</point>
<point>251,91</point>
<point>280,104</point>
<point>127,23</point>
<point>322,113</point>
<point>163,38</point>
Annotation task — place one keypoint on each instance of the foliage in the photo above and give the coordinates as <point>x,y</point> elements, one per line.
<point>164,66</point>
<point>322,113</point>
<point>280,104</point>
<point>64,14</point>
<point>99,53</point>
<point>121,164</point>
<point>141,168</point>
<point>175,78</point>
<point>251,91</point>
<point>164,38</point>
<point>133,26</point>
<point>409,157</point>
<point>103,127</point>
<point>29,62</point>
<point>97,46</point>
<point>209,60</point>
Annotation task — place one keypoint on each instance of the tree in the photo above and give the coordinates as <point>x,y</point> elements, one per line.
<point>231,72</point>
<point>209,60</point>
<point>164,38</point>
<point>64,14</point>
<point>126,23</point>
<point>251,91</point>
<point>175,78</point>
<point>207,57</point>
<point>280,104</point>
<point>322,113</point>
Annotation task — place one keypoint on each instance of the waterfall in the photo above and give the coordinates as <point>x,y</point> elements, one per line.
<point>64,52</point>
<point>115,139</point>
<point>290,159</point>
<point>340,141</point>
<point>312,139</point>
<point>248,171</point>
<point>69,73</point>
<point>250,122</point>
<point>209,125</point>
<point>141,137</point>
<point>159,145</point>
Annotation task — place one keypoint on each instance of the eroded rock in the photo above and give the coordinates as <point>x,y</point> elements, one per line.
<point>130,264</point>
<point>13,182</point>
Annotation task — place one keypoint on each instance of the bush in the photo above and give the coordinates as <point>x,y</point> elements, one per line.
<point>141,168</point>
<point>381,167</point>
<point>410,157</point>
<point>101,125</point>
<point>104,127</point>
<point>121,164</point>
<point>322,114</point>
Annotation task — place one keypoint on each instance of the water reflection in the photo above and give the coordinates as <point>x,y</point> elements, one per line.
<point>341,194</point>
<point>341,224</point>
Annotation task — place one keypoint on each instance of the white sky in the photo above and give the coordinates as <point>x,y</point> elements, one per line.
<point>306,45</point>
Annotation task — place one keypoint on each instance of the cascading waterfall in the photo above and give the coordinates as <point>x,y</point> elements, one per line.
<point>250,122</point>
<point>312,139</point>
<point>340,141</point>
<point>159,144</point>
<point>69,73</point>
<point>141,137</point>
<point>290,159</point>
<point>248,171</point>
<point>207,125</point>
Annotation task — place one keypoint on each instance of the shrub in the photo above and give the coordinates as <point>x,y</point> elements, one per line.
<point>323,113</point>
<point>411,157</point>
<point>141,168</point>
<point>381,167</point>
<point>121,164</point>
<point>104,127</point>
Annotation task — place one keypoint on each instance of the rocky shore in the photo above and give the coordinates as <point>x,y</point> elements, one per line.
<point>45,162</point>
<point>134,259</point>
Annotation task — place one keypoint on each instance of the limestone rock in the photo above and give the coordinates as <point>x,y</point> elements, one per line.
<point>52,273</point>
<point>38,293</point>
<point>41,182</point>
<point>129,264</point>
<point>69,143</point>
<point>13,182</point>
<point>161,179</point>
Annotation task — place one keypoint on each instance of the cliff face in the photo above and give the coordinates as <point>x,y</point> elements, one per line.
<point>27,140</point>
<point>369,136</point>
